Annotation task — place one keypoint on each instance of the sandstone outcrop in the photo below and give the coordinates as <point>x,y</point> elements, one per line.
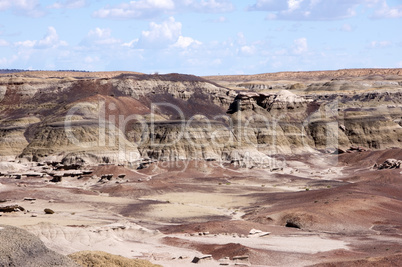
<point>331,121</point>
<point>389,164</point>
<point>11,208</point>
<point>131,118</point>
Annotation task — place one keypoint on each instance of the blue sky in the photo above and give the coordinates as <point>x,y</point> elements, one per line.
<point>202,37</point>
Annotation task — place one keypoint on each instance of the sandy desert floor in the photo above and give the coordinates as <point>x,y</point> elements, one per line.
<point>311,212</point>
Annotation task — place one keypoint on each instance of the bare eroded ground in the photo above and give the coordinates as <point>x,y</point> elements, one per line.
<point>348,213</point>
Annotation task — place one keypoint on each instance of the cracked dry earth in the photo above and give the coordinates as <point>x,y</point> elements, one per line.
<point>309,213</point>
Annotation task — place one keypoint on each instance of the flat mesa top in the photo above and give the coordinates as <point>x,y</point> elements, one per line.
<point>391,73</point>
<point>68,74</point>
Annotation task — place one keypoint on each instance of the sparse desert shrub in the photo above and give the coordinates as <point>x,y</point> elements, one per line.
<point>103,259</point>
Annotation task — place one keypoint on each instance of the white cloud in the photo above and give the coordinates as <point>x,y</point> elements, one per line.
<point>161,35</point>
<point>320,9</point>
<point>271,16</point>
<point>100,33</point>
<point>131,44</point>
<point>300,46</point>
<point>217,62</point>
<point>247,50</point>
<point>152,8</point>
<point>25,4</point>
<point>294,4</point>
<point>6,62</point>
<point>27,43</point>
<point>379,44</point>
<point>135,9</point>
<point>164,35</point>
<point>4,43</point>
<point>346,28</point>
<point>184,42</point>
<point>31,8</point>
<point>388,12</point>
<point>50,40</point>
<point>221,19</point>
<point>89,59</point>
<point>212,6</point>
<point>269,5</point>
<point>71,4</point>
<point>99,36</point>
<point>241,39</point>
<point>281,52</point>
<point>5,4</point>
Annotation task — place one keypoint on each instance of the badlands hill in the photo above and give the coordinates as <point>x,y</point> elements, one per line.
<point>283,169</point>
<point>128,117</point>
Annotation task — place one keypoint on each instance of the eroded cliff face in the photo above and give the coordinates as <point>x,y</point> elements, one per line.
<point>287,123</point>
<point>48,119</point>
<point>134,118</point>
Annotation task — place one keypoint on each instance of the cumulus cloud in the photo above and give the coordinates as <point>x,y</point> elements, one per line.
<point>388,12</point>
<point>221,19</point>
<point>5,62</point>
<point>211,6</point>
<point>131,44</point>
<point>184,42</point>
<point>31,8</point>
<point>99,36</point>
<point>241,39</point>
<point>320,9</point>
<point>90,60</point>
<point>346,28</point>
<point>300,46</point>
<point>50,40</point>
<point>70,4</point>
<point>135,9</point>
<point>140,9</point>
<point>247,50</point>
<point>4,43</point>
<point>379,44</point>
<point>269,5</point>
<point>161,35</point>
<point>4,4</point>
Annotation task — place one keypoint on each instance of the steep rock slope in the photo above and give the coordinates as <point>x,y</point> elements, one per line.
<point>47,119</point>
<point>132,118</point>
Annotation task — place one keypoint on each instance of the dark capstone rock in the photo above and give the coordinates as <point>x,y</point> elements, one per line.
<point>339,151</point>
<point>107,177</point>
<point>389,164</point>
<point>48,211</point>
<point>56,179</point>
<point>201,259</point>
<point>11,208</point>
